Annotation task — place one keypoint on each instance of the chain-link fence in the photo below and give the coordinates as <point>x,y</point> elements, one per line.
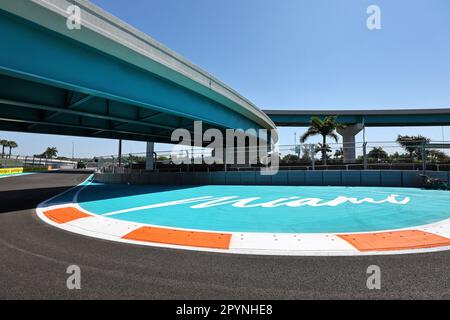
<point>14,161</point>
<point>368,156</point>
<point>331,156</point>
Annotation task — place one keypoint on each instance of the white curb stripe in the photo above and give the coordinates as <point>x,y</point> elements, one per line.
<point>300,244</point>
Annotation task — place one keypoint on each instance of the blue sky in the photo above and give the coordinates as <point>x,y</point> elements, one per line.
<point>297,54</point>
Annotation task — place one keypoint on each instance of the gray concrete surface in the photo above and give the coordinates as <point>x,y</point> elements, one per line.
<point>34,258</point>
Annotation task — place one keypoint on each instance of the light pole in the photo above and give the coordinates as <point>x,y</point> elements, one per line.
<point>296,151</point>
<point>120,152</point>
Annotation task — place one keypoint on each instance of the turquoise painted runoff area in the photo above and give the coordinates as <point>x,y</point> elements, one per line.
<point>423,207</point>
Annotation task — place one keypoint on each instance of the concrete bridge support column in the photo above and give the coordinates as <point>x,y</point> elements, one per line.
<point>348,138</point>
<point>149,159</point>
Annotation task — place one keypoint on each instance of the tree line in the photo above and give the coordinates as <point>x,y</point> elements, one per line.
<point>327,129</point>
<point>49,153</point>
<point>8,144</point>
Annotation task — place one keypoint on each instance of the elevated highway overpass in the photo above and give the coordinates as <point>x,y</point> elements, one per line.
<point>370,118</point>
<point>105,80</point>
<point>109,80</point>
<point>356,120</point>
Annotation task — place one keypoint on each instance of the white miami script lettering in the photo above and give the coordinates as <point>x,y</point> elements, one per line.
<point>237,202</point>
<point>293,202</point>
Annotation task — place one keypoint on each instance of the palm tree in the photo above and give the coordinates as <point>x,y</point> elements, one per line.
<point>290,158</point>
<point>339,153</point>
<point>325,128</point>
<point>320,147</point>
<point>11,145</point>
<point>51,152</point>
<point>378,154</point>
<point>412,144</point>
<point>437,156</point>
<point>3,143</point>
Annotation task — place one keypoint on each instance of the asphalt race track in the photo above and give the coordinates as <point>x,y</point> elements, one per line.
<point>35,256</point>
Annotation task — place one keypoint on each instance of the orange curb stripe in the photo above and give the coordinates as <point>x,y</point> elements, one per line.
<point>394,240</point>
<point>180,237</point>
<point>63,215</point>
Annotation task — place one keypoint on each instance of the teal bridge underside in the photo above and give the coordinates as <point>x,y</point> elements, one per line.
<point>53,84</point>
<point>370,118</point>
